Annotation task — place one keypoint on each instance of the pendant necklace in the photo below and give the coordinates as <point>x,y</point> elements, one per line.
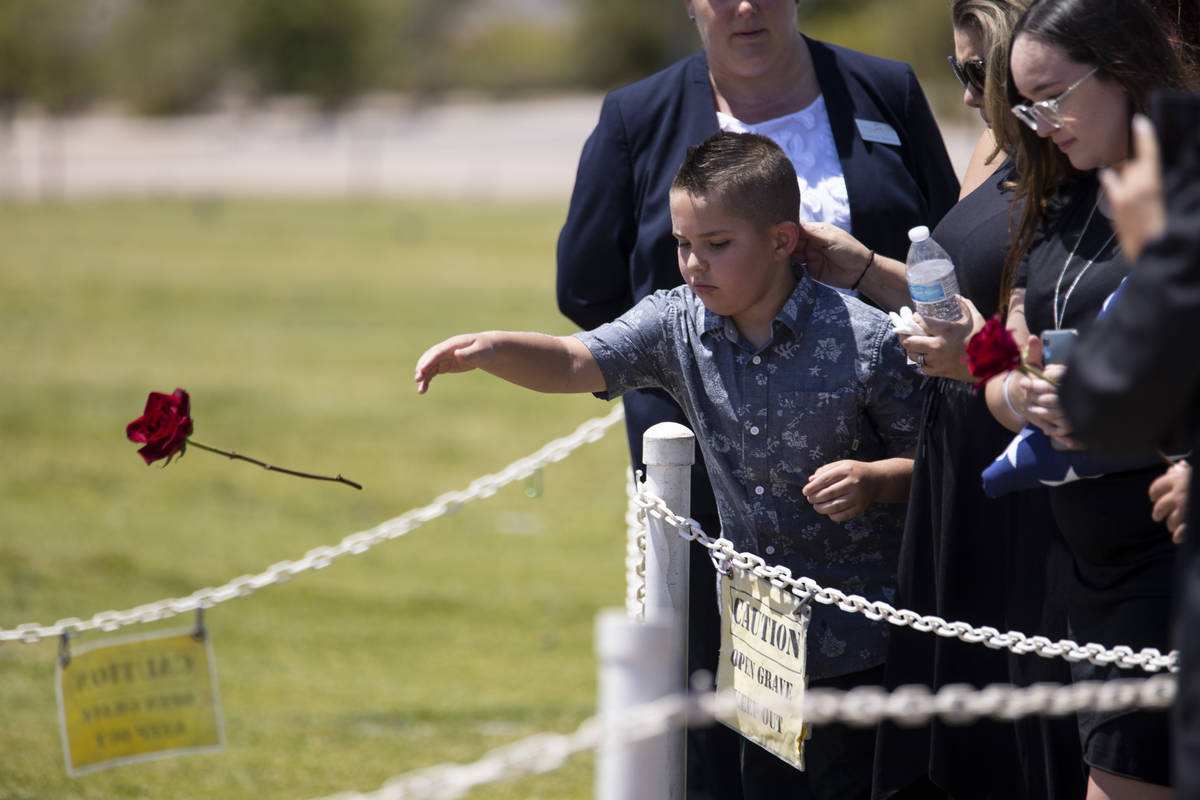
<point>1060,312</point>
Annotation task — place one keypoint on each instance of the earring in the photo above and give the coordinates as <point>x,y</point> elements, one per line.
<point>692,18</point>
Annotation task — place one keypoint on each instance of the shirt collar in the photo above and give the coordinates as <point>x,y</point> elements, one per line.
<point>794,315</point>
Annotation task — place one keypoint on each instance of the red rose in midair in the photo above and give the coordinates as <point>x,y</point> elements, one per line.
<point>166,424</point>
<point>992,351</point>
<point>163,427</point>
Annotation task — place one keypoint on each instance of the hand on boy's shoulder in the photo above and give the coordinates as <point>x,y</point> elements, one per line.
<point>831,255</point>
<point>460,353</point>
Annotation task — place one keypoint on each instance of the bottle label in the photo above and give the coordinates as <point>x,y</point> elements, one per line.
<point>927,292</point>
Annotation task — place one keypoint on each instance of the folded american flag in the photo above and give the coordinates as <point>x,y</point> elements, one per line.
<point>1030,461</point>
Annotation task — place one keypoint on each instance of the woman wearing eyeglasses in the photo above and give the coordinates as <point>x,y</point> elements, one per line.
<point>1079,70</point>
<point>965,556</point>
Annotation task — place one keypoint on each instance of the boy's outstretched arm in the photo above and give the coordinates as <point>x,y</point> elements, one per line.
<point>841,490</point>
<point>533,360</point>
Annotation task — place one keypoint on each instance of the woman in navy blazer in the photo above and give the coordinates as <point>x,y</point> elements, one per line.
<point>616,246</point>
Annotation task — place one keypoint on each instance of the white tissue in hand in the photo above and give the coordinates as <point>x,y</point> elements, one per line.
<point>904,323</point>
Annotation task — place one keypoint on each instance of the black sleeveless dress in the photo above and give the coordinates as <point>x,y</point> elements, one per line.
<point>1120,583</point>
<point>965,556</point>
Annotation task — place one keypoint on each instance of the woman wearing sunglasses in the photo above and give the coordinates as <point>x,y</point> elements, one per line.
<point>970,68</point>
<point>1079,70</point>
<point>965,556</point>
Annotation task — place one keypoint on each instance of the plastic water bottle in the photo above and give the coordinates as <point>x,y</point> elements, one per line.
<point>932,283</point>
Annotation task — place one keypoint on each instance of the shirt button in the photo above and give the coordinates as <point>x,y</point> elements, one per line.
<point>770,550</point>
<point>756,360</point>
<point>754,430</point>
<point>759,490</point>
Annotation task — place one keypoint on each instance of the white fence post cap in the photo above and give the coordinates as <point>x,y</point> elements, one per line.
<point>668,444</point>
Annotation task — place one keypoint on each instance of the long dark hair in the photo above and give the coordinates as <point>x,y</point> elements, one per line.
<point>1129,44</point>
<point>1182,20</point>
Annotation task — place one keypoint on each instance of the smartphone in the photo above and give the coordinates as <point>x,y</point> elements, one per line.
<point>1176,118</point>
<point>1056,345</point>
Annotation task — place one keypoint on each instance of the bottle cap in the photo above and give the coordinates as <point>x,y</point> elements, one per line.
<point>918,234</point>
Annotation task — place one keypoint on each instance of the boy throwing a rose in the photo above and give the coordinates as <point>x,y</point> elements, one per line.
<point>800,397</point>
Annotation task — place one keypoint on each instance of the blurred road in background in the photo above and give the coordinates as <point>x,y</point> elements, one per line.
<point>524,150</point>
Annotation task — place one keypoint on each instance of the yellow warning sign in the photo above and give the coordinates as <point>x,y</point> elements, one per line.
<point>764,635</point>
<point>138,698</point>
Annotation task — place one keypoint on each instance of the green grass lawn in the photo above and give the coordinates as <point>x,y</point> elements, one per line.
<point>295,327</point>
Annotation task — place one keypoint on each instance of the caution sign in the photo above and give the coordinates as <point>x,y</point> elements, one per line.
<point>138,698</point>
<point>764,632</point>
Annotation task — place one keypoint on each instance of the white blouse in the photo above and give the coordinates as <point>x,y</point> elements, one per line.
<point>807,139</point>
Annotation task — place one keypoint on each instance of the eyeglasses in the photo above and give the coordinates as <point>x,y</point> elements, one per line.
<point>1049,110</point>
<point>970,73</point>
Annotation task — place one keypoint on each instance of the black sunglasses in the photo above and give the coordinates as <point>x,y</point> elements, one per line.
<point>969,73</point>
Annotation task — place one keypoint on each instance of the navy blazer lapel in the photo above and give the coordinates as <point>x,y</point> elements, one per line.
<point>840,107</point>
<point>700,112</point>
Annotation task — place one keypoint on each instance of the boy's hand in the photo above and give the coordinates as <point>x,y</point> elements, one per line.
<point>460,353</point>
<point>841,490</point>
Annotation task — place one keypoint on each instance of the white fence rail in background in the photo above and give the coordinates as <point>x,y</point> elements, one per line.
<point>383,145</point>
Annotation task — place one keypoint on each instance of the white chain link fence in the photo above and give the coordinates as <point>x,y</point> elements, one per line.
<point>635,551</point>
<point>640,504</point>
<point>724,556</point>
<point>909,705</point>
<point>868,705</point>
<point>323,556</point>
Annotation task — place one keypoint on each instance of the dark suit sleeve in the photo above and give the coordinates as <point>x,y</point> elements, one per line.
<point>1134,375</point>
<point>594,247</point>
<point>931,164</point>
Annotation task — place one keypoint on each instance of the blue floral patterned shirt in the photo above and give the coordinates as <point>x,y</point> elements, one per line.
<point>833,383</point>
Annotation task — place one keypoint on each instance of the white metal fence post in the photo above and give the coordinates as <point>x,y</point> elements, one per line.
<point>635,658</point>
<point>669,451</point>
<point>641,661</point>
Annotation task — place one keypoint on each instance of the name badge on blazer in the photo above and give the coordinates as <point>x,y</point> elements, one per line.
<point>872,131</point>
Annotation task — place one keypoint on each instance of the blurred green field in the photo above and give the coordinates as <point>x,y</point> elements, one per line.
<point>295,326</point>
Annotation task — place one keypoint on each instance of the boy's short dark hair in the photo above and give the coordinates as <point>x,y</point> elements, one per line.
<point>749,173</point>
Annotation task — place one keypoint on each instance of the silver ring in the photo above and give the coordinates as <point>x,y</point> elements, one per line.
<point>921,360</point>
